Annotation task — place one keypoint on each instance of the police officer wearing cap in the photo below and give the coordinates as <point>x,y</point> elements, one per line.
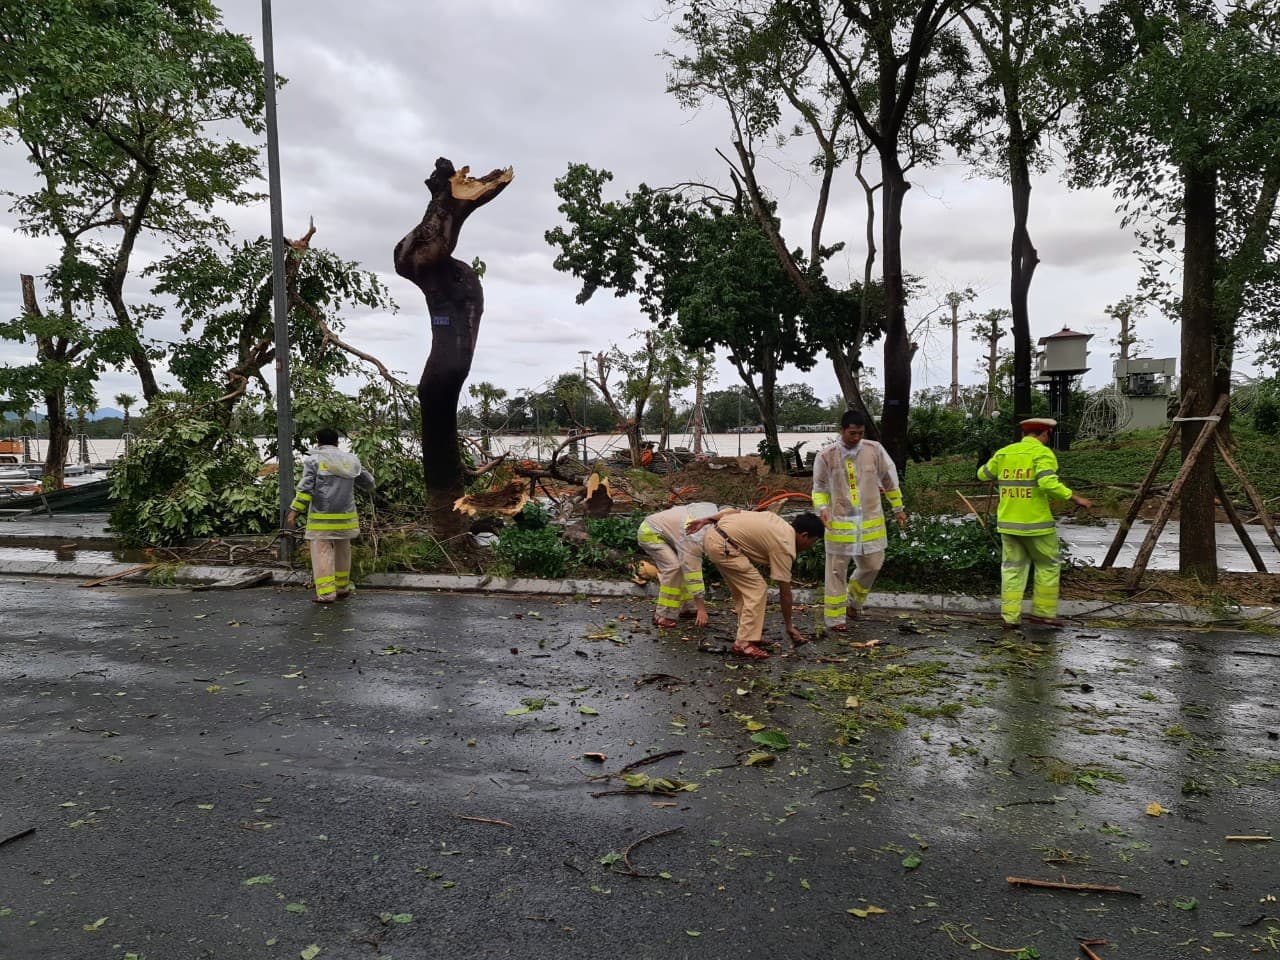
<point>1027,474</point>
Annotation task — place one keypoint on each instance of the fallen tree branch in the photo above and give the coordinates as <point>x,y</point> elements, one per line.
<point>631,871</point>
<point>1059,885</point>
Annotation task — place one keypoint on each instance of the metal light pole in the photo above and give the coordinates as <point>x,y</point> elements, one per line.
<point>586,393</point>
<point>284,398</point>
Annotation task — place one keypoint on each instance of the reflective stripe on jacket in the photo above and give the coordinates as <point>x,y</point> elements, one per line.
<point>1027,472</point>
<point>326,493</point>
<point>849,490</point>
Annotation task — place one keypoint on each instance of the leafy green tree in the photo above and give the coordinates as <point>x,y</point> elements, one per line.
<point>1179,113</point>
<point>640,379</point>
<point>126,110</point>
<point>1014,109</point>
<point>66,364</point>
<point>701,264</point>
<point>892,63</point>
<point>224,296</point>
<point>797,405</point>
<point>750,58</point>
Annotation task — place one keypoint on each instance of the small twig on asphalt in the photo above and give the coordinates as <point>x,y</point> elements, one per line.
<point>656,677</point>
<point>645,761</point>
<point>1084,948</point>
<point>1023,803</point>
<point>1253,653</point>
<point>1057,885</point>
<point>501,823</point>
<point>18,836</point>
<point>1261,838</point>
<point>636,792</point>
<point>843,786</point>
<point>631,871</point>
<point>950,929</point>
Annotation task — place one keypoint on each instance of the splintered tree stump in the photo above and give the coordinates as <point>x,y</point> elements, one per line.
<point>455,302</point>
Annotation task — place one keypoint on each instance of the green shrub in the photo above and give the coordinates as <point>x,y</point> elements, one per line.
<point>532,516</point>
<point>537,552</point>
<point>618,533</point>
<point>395,553</point>
<point>938,554</point>
<point>191,474</point>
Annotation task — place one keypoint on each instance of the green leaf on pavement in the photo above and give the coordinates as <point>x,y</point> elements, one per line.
<point>773,739</point>
<point>255,881</point>
<point>911,861</point>
<point>310,953</point>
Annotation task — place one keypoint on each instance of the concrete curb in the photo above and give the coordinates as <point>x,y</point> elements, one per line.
<point>230,577</point>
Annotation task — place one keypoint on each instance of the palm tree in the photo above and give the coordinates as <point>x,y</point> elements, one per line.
<point>126,401</point>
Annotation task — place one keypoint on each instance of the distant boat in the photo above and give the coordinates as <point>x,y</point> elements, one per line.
<point>78,498</point>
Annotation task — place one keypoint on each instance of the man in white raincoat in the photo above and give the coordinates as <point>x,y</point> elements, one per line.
<point>327,495</point>
<point>848,476</point>
<point>678,556</point>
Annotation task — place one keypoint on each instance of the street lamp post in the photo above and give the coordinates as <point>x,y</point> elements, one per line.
<point>279,297</point>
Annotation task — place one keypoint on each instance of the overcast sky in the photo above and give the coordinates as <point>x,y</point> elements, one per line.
<point>378,89</point>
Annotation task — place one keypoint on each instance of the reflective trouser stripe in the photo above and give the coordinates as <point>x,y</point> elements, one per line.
<point>646,534</point>
<point>1034,529</point>
<point>671,585</point>
<point>842,591</point>
<point>1019,555</point>
<point>326,586</point>
<point>343,579</point>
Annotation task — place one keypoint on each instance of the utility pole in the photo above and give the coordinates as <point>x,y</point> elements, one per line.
<point>586,392</point>
<point>953,301</point>
<point>284,398</point>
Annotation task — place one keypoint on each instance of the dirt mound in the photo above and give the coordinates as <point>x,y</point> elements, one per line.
<point>732,481</point>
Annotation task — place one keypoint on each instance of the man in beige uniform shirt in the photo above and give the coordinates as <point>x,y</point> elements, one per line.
<point>735,544</point>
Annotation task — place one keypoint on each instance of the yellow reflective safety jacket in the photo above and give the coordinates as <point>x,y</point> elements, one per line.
<point>326,493</point>
<point>847,484</point>
<point>1027,472</point>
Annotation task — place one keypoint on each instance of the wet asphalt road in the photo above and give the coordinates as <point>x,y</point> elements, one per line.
<point>245,775</point>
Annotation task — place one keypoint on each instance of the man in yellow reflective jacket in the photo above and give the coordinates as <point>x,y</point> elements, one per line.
<point>848,478</point>
<point>327,495</point>
<point>1027,474</point>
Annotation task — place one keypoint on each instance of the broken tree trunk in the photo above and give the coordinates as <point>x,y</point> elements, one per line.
<point>455,302</point>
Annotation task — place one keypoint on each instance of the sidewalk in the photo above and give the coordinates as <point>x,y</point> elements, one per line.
<point>90,531</point>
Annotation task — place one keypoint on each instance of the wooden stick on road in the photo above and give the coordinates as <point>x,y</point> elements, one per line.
<point>1080,887</point>
<point>117,576</point>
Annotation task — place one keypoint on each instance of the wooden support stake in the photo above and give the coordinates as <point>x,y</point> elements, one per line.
<point>1162,517</point>
<point>1251,492</point>
<point>1144,488</point>
<point>1229,509</point>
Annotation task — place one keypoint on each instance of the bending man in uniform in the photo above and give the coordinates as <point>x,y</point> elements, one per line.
<point>736,543</point>
<point>678,556</point>
<point>1027,472</point>
<point>327,494</point>
<point>848,476</point>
